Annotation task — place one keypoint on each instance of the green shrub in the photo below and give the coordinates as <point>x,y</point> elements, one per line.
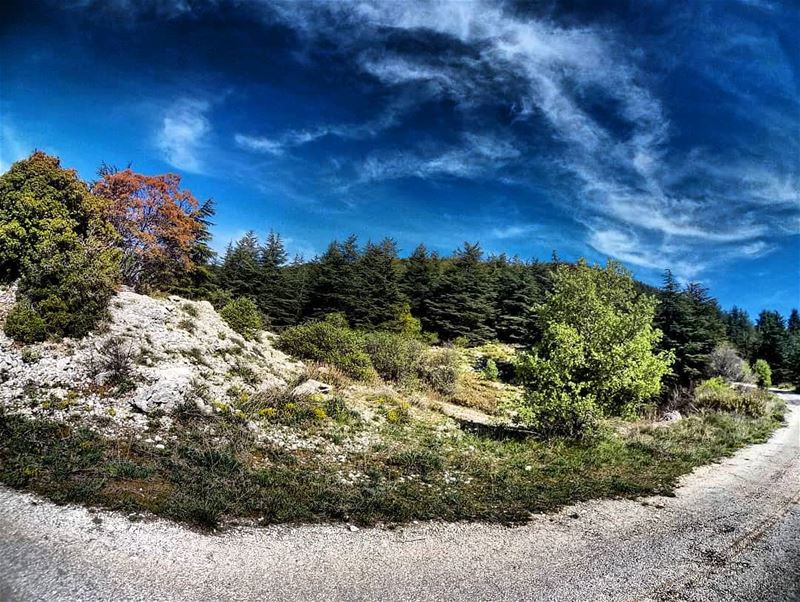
<point>24,324</point>
<point>556,403</point>
<point>55,238</point>
<point>242,315</point>
<point>440,369</point>
<point>504,358</point>
<point>716,394</point>
<point>490,371</point>
<point>763,374</point>
<point>331,344</point>
<point>597,350</point>
<point>394,356</point>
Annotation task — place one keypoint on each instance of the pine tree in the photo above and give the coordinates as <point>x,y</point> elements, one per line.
<point>277,298</point>
<point>200,281</point>
<point>297,281</point>
<point>462,300</point>
<point>793,324</point>
<point>692,326</point>
<point>379,300</point>
<point>419,278</point>
<point>771,340</point>
<point>241,270</point>
<point>334,282</point>
<point>740,331</point>
<point>515,294</point>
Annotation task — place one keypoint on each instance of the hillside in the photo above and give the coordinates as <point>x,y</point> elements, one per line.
<point>151,356</point>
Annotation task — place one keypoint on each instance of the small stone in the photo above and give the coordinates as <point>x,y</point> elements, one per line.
<point>353,528</point>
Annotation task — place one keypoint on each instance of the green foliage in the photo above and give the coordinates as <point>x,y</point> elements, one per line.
<point>24,324</point>
<point>740,331</point>
<point>763,373</point>
<point>596,354</point>
<point>692,325</point>
<point>460,476</point>
<point>240,272</point>
<point>55,238</point>
<point>439,368</point>
<point>725,362</point>
<point>771,341</point>
<point>334,281</point>
<point>490,371</point>
<point>461,302</point>
<point>378,297</point>
<point>242,315</point>
<point>516,292</point>
<point>716,394</point>
<point>404,323</point>
<point>330,343</point>
<point>394,356</point>
<point>421,272</point>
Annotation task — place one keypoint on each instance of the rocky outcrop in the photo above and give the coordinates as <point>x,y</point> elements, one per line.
<point>153,354</point>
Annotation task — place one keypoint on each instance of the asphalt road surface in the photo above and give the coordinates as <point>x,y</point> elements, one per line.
<point>731,533</point>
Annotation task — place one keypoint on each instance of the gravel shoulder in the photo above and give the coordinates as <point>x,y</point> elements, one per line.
<point>732,532</point>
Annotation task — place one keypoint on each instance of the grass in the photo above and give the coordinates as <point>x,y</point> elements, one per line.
<point>411,470</point>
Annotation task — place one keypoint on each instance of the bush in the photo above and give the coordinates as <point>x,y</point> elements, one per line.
<point>504,358</point>
<point>55,239</point>
<point>24,324</point>
<point>490,371</point>
<point>331,344</point>
<point>725,363</point>
<point>242,315</point>
<point>716,394</point>
<point>394,356</point>
<point>763,374</point>
<point>117,361</point>
<point>440,369</point>
<point>596,351</point>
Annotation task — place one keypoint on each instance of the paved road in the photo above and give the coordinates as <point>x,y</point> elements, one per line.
<point>731,533</point>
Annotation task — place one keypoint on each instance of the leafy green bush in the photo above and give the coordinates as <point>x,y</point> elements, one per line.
<point>596,351</point>
<point>56,239</point>
<point>331,344</point>
<point>716,394</point>
<point>763,374</point>
<point>394,356</point>
<point>24,324</point>
<point>440,369</point>
<point>243,316</point>
<point>490,371</point>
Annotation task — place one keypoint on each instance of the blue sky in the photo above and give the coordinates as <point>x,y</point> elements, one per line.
<point>662,134</point>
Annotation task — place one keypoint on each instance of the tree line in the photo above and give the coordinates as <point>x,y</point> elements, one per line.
<point>69,243</point>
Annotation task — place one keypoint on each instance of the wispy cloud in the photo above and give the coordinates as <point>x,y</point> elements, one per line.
<point>640,196</point>
<point>515,231</point>
<point>285,141</point>
<point>183,133</point>
<point>476,155</point>
<point>12,147</point>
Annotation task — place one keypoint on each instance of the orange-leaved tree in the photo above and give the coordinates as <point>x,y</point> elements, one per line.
<point>159,224</point>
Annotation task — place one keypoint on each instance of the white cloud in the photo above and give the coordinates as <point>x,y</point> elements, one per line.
<point>634,205</point>
<point>183,133</point>
<point>514,231</point>
<point>259,144</point>
<point>12,148</point>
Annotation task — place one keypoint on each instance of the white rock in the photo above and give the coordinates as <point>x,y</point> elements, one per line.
<point>311,387</point>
